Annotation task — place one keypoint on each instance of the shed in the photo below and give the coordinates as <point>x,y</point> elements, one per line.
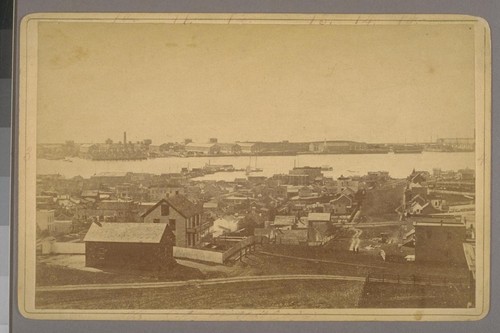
<point>147,246</point>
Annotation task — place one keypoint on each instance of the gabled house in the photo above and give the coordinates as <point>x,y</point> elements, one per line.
<point>416,204</point>
<point>183,217</point>
<point>438,202</point>
<point>342,204</point>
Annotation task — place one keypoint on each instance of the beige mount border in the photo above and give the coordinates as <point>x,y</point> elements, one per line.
<point>27,169</point>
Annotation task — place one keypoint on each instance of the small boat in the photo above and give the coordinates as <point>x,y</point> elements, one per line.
<point>250,170</point>
<point>326,168</point>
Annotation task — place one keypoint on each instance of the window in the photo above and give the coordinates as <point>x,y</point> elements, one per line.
<point>156,220</point>
<point>171,224</point>
<point>164,210</point>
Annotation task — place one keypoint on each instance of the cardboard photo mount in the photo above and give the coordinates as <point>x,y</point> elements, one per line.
<point>28,84</point>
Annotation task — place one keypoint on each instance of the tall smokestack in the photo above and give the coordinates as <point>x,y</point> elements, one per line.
<point>124,138</point>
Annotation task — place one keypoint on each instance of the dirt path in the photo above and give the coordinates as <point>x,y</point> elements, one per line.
<point>355,241</point>
<point>197,283</point>
<point>144,285</point>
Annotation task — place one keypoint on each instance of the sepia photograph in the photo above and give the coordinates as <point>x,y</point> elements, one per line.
<point>254,167</point>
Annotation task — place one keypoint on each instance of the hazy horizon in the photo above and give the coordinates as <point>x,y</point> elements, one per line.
<point>165,82</point>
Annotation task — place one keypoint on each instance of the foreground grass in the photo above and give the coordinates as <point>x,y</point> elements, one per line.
<point>346,262</point>
<point>384,295</point>
<point>241,295</point>
<point>54,275</point>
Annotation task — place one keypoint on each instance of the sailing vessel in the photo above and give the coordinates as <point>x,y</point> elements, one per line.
<point>249,168</point>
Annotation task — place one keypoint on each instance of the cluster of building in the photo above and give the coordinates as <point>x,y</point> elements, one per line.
<point>295,208</point>
<point>427,194</point>
<point>443,221</point>
<point>122,217</point>
<point>128,150</point>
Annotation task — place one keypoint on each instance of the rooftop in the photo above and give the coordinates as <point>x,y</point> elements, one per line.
<point>438,220</point>
<point>200,145</point>
<point>323,217</point>
<point>126,232</point>
<point>180,203</point>
<point>284,220</point>
<point>111,174</point>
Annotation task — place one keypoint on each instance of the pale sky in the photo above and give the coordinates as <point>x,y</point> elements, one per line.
<point>168,82</point>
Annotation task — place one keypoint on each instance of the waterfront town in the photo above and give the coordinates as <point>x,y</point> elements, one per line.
<point>367,241</point>
<point>144,149</point>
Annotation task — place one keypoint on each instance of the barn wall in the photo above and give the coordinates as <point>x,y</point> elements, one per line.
<point>439,244</point>
<point>128,255</point>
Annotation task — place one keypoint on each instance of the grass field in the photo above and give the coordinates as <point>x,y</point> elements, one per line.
<point>52,275</point>
<point>251,295</point>
<point>348,263</point>
<point>263,294</point>
<point>384,295</point>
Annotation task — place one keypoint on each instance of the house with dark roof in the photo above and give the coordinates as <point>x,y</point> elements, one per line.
<point>129,245</point>
<point>182,216</point>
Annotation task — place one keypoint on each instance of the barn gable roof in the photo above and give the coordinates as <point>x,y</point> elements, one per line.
<point>151,233</point>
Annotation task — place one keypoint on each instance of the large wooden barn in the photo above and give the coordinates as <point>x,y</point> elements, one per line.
<point>129,245</point>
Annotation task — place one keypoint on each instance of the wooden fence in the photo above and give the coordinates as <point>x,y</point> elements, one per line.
<point>198,254</point>
<point>63,248</point>
<point>239,249</point>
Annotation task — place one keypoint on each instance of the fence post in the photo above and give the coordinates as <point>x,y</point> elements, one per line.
<point>383,278</point>
<point>368,278</point>
<point>398,278</point>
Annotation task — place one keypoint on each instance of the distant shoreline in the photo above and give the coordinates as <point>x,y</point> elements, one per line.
<point>68,159</point>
